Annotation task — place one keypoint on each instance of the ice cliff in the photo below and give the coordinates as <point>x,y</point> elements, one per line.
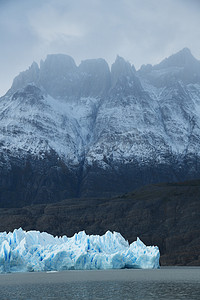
<point>22,251</point>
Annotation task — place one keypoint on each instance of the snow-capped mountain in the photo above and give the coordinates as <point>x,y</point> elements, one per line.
<point>71,131</point>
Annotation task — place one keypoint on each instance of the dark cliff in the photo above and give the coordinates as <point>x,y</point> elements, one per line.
<point>167,215</point>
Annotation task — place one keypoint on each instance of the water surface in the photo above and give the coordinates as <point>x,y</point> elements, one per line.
<point>165,283</point>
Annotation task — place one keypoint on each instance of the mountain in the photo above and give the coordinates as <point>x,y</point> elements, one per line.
<point>69,131</point>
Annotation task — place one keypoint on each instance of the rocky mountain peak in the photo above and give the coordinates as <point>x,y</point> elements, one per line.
<point>182,66</point>
<point>123,78</point>
<point>94,77</point>
<point>145,69</point>
<point>120,68</point>
<point>98,65</point>
<point>29,76</point>
<point>60,136</point>
<point>57,73</point>
<point>58,64</point>
<point>180,59</point>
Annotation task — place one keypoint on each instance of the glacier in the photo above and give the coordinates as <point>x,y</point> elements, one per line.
<point>35,251</point>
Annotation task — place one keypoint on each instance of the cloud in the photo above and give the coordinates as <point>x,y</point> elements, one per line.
<point>142,31</point>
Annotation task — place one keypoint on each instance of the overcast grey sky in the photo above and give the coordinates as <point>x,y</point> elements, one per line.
<point>142,31</point>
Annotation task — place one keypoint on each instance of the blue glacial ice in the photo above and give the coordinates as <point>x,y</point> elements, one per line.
<point>28,251</point>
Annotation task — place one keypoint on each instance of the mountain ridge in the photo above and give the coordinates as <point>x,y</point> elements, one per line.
<point>105,131</point>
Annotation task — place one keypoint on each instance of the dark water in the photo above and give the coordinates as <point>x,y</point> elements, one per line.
<point>166,283</point>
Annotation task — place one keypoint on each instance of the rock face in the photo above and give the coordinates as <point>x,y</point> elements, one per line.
<point>166,215</point>
<point>84,131</point>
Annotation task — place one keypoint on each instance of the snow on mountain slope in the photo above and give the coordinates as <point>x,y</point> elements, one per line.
<point>150,122</point>
<point>93,119</point>
<point>177,99</point>
<point>36,123</point>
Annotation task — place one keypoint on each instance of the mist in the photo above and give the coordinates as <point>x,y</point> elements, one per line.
<point>142,31</point>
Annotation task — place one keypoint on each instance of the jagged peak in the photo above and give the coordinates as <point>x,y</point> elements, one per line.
<point>180,59</point>
<point>34,66</point>
<point>94,64</point>
<point>94,76</point>
<point>58,61</point>
<point>184,55</point>
<point>30,76</point>
<point>59,56</point>
<point>133,69</point>
<point>121,62</point>
<point>185,51</point>
<point>120,68</point>
<point>145,68</point>
<point>29,90</point>
<point>119,58</point>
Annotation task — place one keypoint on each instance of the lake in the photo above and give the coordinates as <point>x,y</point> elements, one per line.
<point>165,283</point>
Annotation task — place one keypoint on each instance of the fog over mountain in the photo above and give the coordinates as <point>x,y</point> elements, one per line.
<point>88,131</point>
<point>141,31</point>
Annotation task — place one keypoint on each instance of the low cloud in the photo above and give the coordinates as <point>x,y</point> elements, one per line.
<point>142,31</point>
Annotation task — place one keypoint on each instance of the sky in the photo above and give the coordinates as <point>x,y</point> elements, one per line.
<point>141,31</point>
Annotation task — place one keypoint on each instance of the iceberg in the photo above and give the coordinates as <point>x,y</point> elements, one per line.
<point>34,251</point>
